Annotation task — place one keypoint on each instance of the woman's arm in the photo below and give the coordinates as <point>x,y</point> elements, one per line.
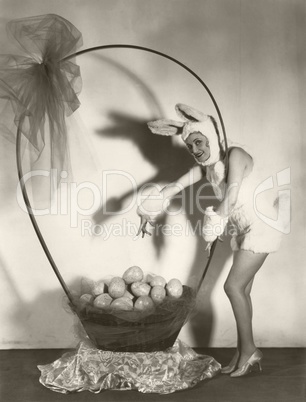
<point>194,175</point>
<point>157,201</point>
<point>240,165</point>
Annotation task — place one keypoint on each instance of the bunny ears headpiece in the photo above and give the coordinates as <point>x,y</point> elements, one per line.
<point>195,121</point>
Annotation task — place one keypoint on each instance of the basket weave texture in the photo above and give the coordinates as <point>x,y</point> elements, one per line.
<point>134,331</point>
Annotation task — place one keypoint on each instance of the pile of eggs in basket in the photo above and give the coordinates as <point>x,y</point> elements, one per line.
<point>132,292</point>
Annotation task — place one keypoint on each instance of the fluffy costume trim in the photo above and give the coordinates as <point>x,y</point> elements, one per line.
<point>213,226</point>
<point>194,121</point>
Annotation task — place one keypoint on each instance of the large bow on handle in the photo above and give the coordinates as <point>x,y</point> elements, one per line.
<point>40,86</point>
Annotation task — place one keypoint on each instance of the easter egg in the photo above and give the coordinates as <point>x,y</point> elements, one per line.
<point>174,288</point>
<point>144,303</point>
<point>102,301</point>
<point>140,289</point>
<point>116,287</point>
<point>98,288</point>
<point>158,293</point>
<point>133,274</point>
<point>122,303</point>
<point>128,294</point>
<point>158,281</point>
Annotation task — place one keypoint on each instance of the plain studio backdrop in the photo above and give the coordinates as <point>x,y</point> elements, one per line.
<point>251,54</point>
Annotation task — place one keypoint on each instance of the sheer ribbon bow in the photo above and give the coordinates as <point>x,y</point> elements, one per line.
<point>42,85</point>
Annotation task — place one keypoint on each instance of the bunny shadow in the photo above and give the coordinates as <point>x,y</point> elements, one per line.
<point>157,150</point>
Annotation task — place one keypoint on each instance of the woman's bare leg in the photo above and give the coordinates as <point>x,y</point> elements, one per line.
<point>238,287</point>
<point>247,293</point>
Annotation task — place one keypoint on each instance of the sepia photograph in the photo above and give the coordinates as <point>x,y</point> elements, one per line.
<point>152,206</point>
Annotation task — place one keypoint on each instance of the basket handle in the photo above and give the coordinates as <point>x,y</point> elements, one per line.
<point>31,214</point>
<point>19,164</point>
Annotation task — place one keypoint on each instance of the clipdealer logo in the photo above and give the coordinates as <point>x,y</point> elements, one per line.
<point>64,198</point>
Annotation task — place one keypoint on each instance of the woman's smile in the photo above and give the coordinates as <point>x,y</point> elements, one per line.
<point>199,154</point>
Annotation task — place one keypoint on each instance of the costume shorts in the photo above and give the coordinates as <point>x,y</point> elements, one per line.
<point>256,236</point>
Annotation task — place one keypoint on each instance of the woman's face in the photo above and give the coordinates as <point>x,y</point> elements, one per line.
<point>198,146</point>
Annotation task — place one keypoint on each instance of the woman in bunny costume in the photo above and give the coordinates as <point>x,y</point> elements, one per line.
<point>252,239</point>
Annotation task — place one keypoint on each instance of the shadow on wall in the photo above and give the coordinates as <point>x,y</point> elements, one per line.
<point>44,322</point>
<point>202,320</point>
<point>8,174</point>
<point>157,150</point>
<point>147,94</point>
<point>169,161</point>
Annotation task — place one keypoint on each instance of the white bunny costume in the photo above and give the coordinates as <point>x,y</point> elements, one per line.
<point>248,231</point>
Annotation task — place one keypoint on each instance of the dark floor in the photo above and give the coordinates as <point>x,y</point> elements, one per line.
<point>283,380</point>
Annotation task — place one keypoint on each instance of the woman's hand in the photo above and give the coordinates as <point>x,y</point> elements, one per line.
<point>144,220</point>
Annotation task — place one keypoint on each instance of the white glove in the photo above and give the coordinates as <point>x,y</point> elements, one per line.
<point>213,225</point>
<point>153,205</point>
